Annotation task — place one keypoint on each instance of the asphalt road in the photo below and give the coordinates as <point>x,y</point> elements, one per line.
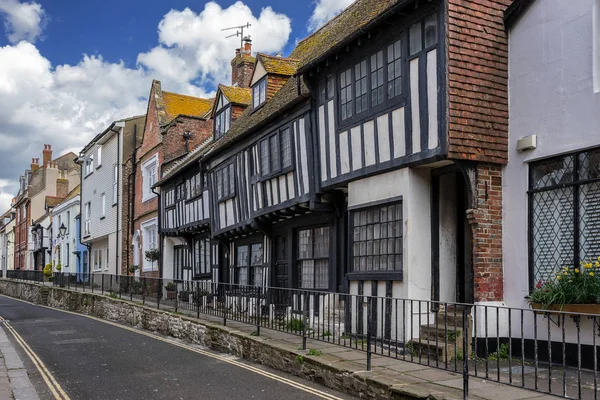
<point>91,359</point>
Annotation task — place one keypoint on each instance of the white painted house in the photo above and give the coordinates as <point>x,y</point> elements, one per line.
<point>552,181</point>
<point>64,248</point>
<point>100,194</point>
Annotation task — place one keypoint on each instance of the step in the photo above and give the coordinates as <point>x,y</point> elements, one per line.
<point>431,349</point>
<point>430,332</point>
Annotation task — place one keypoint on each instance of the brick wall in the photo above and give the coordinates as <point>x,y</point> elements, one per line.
<point>486,226</point>
<point>477,80</point>
<point>173,142</point>
<point>242,67</point>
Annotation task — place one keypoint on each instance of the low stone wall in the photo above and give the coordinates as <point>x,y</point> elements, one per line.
<point>216,337</point>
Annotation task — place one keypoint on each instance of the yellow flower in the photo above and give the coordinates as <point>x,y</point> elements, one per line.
<point>559,277</point>
<point>592,273</point>
<point>564,273</point>
<point>566,268</point>
<point>597,264</point>
<point>576,270</point>
<point>598,258</point>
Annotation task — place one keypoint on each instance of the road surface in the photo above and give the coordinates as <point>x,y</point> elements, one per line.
<point>71,356</point>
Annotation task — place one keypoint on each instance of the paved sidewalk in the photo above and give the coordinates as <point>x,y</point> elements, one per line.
<point>14,380</point>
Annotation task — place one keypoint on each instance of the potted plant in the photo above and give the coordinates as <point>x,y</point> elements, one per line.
<point>171,289</point>
<point>574,290</point>
<point>48,272</point>
<point>133,268</point>
<point>152,256</point>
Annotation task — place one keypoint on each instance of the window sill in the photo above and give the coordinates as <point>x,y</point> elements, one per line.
<point>375,276</point>
<point>99,166</point>
<point>115,204</point>
<point>222,199</point>
<point>85,177</point>
<point>284,171</point>
<point>145,199</point>
<point>101,218</point>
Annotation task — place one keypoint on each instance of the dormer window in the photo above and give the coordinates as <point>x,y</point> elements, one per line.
<point>259,93</point>
<point>222,117</point>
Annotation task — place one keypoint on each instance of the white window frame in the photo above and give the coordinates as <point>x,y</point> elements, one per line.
<point>148,229</point>
<point>115,184</point>
<point>103,202</point>
<point>149,168</point>
<point>99,157</point>
<point>97,260</point>
<point>88,219</point>
<point>89,164</point>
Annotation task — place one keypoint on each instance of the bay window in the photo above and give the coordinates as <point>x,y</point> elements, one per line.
<point>313,258</point>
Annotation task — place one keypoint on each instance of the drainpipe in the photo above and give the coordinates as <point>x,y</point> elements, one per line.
<point>160,236</point>
<point>119,132</point>
<point>132,177</point>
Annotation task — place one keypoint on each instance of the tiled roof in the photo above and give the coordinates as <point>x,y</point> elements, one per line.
<point>278,65</point>
<point>190,158</point>
<point>243,58</point>
<point>237,95</point>
<point>53,201</point>
<point>180,104</point>
<point>254,119</point>
<point>340,30</point>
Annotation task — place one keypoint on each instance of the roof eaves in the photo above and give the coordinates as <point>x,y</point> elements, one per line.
<point>514,12</point>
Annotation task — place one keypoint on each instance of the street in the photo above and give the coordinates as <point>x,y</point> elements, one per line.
<point>91,359</point>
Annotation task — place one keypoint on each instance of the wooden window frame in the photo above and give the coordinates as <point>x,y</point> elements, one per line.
<point>281,169</point>
<point>226,192</point>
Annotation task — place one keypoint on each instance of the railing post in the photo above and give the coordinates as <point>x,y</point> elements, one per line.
<point>119,282</point>
<point>158,292</point>
<point>198,299</point>
<point>102,284</point>
<point>466,339</point>
<point>224,308</point>
<point>369,330</point>
<point>176,295</point>
<point>257,311</point>
<point>305,318</point>
<point>143,290</point>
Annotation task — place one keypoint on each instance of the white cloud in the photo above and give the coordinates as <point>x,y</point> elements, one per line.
<point>324,11</point>
<point>193,46</point>
<point>66,105</point>
<point>22,21</point>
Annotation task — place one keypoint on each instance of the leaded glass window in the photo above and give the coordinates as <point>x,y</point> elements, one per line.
<point>377,78</point>
<point>360,86</point>
<point>313,258</point>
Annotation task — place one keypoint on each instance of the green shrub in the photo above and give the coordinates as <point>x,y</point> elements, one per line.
<point>295,325</point>
<point>48,270</point>
<point>314,352</point>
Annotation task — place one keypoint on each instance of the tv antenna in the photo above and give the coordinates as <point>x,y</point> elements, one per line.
<point>239,32</point>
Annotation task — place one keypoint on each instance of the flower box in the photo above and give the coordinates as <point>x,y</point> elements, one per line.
<point>569,308</point>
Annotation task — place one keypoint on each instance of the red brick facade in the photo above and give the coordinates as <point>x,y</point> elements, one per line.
<point>477,80</point>
<point>21,233</point>
<point>486,225</point>
<point>274,83</point>
<point>174,144</point>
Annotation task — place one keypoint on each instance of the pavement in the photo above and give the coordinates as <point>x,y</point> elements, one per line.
<point>14,380</point>
<point>90,359</point>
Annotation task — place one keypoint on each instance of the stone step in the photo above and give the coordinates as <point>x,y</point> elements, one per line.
<point>432,350</point>
<point>430,332</point>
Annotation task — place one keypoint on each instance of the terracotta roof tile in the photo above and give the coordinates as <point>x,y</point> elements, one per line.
<point>278,65</point>
<point>237,95</point>
<point>179,104</point>
<point>340,29</point>
<point>53,201</point>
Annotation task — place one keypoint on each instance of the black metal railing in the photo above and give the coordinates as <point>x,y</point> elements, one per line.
<point>548,351</point>
<point>26,275</point>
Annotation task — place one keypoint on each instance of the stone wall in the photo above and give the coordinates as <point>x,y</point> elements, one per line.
<point>213,336</point>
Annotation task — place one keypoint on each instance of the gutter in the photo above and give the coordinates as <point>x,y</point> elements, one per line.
<point>160,236</point>
<point>120,125</point>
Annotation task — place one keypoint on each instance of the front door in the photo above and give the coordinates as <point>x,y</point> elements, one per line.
<point>451,238</point>
<point>281,276</point>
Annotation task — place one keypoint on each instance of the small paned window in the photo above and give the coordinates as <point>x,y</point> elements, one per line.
<point>256,264</point>
<point>226,182</point>
<point>313,258</point>
<point>330,86</point>
<point>99,159</point>
<point>377,239</point>
<point>274,146</point>
<point>222,122</point>
<point>346,94</point>
<point>394,69</point>
<point>377,78</point>
<point>360,86</point>
<point>201,257</point>
<point>286,148</point>
<point>241,263</point>
<point>115,194</point>
<point>276,153</point>
<point>415,42</point>
<point>259,93</point>
<point>431,31</point>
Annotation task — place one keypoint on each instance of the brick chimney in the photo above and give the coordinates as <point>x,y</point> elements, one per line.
<point>242,65</point>
<point>35,164</point>
<point>62,187</point>
<point>47,155</point>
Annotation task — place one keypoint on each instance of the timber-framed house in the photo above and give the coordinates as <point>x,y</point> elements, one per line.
<point>369,160</point>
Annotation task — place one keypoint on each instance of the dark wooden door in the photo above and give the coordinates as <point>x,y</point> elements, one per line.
<point>281,274</point>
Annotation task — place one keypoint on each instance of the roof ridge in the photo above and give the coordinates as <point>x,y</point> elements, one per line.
<point>187,95</point>
<point>278,57</point>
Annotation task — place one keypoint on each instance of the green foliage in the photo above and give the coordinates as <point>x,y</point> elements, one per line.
<point>300,359</point>
<point>48,270</point>
<point>326,334</point>
<point>85,302</point>
<point>133,268</point>
<point>571,286</point>
<point>152,255</point>
<point>59,267</point>
<point>171,287</point>
<point>501,354</point>
<point>314,352</point>
<point>295,325</point>
<point>113,295</point>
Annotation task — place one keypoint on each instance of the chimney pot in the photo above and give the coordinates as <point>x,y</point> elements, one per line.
<point>47,155</point>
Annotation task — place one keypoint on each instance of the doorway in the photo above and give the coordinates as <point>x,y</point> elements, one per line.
<point>280,272</point>
<point>452,268</point>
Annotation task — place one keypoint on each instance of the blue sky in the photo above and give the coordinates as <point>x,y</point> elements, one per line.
<point>68,68</point>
